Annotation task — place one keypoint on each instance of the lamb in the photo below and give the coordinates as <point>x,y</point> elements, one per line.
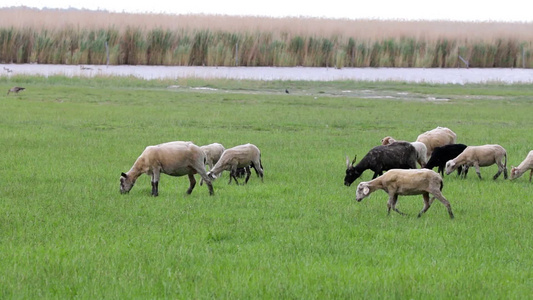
<point>399,155</point>
<point>174,159</point>
<point>420,147</point>
<point>527,164</point>
<point>480,156</point>
<point>443,154</point>
<point>406,182</point>
<point>437,137</point>
<point>241,156</point>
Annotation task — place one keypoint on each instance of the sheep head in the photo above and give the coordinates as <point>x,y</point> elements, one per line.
<point>126,183</point>
<point>514,172</point>
<point>387,140</point>
<point>211,175</point>
<point>450,167</point>
<point>363,190</point>
<point>351,173</point>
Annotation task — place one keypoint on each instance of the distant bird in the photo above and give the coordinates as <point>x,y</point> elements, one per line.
<point>8,70</point>
<point>286,91</point>
<point>15,89</point>
<point>85,68</point>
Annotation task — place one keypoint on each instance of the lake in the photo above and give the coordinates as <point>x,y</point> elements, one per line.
<point>418,75</point>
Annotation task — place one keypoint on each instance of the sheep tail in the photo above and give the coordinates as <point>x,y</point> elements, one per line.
<point>505,163</point>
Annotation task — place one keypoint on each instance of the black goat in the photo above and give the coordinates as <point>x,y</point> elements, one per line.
<point>399,155</point>
<point>442,154</point>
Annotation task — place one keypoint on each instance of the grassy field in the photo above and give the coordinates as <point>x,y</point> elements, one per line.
<point>67,232</point>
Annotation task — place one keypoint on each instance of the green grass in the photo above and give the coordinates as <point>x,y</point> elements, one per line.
<point>67,232</point>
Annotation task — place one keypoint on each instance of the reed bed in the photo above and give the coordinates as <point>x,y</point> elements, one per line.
<point>100,37</point>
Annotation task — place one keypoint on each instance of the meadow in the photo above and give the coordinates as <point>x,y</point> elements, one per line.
<point>67,232</point>
<point>99,37</point>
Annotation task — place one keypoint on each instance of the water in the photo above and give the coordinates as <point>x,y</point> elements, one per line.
<point>418,75</point>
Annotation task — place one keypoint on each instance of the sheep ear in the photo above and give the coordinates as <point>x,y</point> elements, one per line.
<point>366,190</point>
<point>347,162</point>
<point>124,175</point>
<point>354,159</point>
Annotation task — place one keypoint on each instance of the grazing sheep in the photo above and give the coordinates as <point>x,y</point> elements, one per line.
<point>238,157</point>
<point>443,154</point>
<point>420,147</point>
<point>480,156</point>
<point>15,89</point>
<point>399,155</point>
<point>527,164</point>
<point>212,153</point>
<point>437,137</point>
<point>406,182</point>
<point>174,159</point>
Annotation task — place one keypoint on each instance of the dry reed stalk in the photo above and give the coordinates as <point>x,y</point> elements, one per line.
<point>22,17</point>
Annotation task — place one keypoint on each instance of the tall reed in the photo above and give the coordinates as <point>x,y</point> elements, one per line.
<point>256,44</point>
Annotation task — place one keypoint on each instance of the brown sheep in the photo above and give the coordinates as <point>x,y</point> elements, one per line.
<point>406,182</point>
<point>238,157</point>
<point>437,137</point>
<point>480,156</point>
<point>174,159</point>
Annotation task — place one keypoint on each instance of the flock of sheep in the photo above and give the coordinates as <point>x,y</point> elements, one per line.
<point>399,158</point>
<point>434,148</point>
<point>185,158</point>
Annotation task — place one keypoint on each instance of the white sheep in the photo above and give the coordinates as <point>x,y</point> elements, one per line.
<point>480,156</point>
<point>212,153</point>
<point>406,182</point>
<point>174,159</point>
<point>238,157</point>
<point>437,137</point>
<point>421,150</point>
<point>525,165</point>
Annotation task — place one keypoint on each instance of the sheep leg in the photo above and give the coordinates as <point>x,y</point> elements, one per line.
<point>233,174</point>
<point>155,188</point>
<point>438,195</point>
<point>393,199</point>
<point>459,171</point>
<point>476,165</point>
<point>248,173</point>
<point>505,175</point>
<point>192,183</point>
<point>155,183</point>
<point>530,174</point>
<point>441,170</point>
<point>258,167</point>
<point>500,170</point>
<point>427,204</point>
<point>464,172</point>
